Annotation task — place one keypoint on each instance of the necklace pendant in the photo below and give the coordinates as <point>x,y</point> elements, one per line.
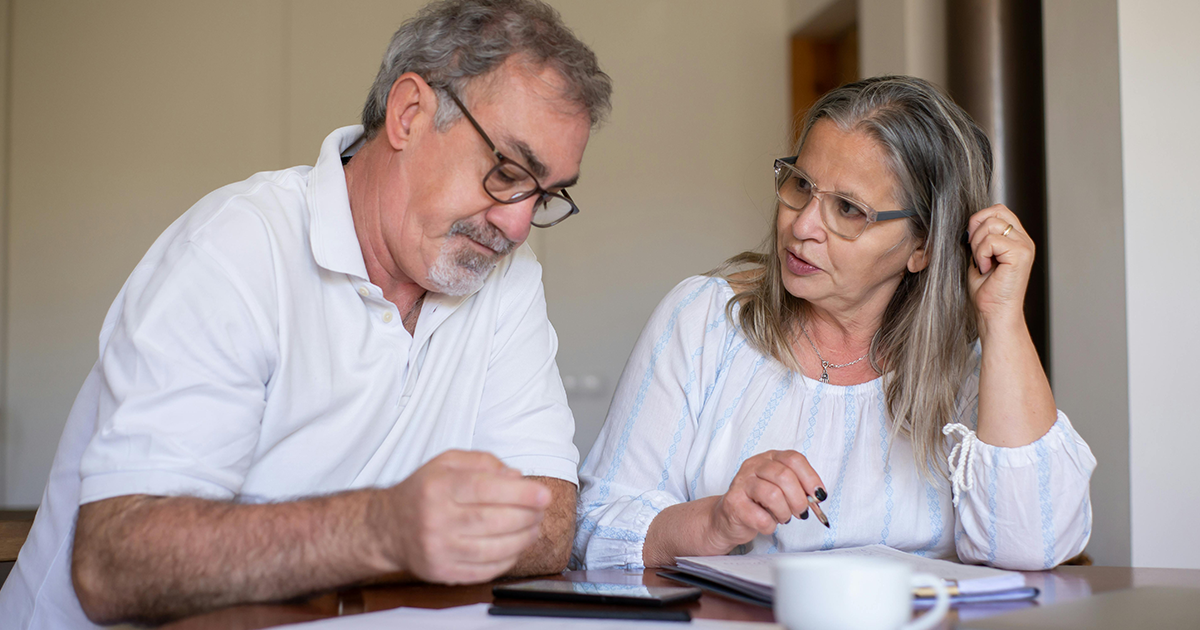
<point>824,371</point>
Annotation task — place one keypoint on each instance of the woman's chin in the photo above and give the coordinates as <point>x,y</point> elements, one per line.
<point>799,286</point>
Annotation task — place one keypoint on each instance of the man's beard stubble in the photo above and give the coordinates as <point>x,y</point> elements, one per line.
<point>461,269</point>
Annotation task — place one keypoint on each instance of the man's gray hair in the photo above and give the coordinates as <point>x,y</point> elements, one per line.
<point>450,42</point>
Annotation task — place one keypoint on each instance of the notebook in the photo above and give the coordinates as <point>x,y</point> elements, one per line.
<point>752,575</point>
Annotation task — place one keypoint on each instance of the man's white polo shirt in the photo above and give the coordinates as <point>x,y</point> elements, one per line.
<point>249,358</point>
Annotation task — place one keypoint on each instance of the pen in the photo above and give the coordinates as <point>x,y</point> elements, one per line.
<point>815,506</point>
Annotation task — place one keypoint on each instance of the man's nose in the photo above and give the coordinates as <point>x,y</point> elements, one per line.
<point>514,219</point>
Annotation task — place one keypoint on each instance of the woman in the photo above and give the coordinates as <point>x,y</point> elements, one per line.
<point>869,360</point>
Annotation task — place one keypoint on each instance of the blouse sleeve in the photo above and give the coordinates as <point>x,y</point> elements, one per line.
<point>636,467</point>
<point>1022,508</point>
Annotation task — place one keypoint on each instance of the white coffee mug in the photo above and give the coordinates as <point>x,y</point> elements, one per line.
<point>835,593</point>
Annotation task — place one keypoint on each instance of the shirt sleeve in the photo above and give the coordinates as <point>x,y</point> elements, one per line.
<point>183,383</point>
<point>524,418</point>
<point>1021,508</point>
<point>636,467</point>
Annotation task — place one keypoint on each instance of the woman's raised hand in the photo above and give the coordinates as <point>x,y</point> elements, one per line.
<point>769,489</point>
<point>1003,256</point>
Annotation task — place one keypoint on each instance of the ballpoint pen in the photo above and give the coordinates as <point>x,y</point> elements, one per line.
<point>815,506</point>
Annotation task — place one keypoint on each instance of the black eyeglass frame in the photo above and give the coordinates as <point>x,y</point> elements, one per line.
<point>502,161</point>
<point>873,215</point>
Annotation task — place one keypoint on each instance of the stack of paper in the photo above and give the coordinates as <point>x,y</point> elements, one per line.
<point>752,574</point>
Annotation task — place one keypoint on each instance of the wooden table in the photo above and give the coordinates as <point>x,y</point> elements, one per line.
<point>1059,585</point>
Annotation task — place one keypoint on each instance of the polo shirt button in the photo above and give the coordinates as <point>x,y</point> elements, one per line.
<point>387,318</point>
<point>363,291</point>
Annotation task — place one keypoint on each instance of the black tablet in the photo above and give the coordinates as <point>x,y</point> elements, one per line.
<point>597,592</point>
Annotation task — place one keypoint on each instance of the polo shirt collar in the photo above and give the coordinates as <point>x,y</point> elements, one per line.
<point>331,226</point>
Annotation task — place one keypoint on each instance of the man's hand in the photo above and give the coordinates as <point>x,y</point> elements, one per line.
<point>462,517</point>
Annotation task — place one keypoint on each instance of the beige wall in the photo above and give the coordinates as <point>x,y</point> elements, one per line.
<point>126,112</point>
<point>677,182</point>
<point>1087,268</point>
<point>1160,133</point>
<point>903,37</point>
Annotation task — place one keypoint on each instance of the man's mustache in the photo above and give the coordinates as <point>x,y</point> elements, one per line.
<point>485,234</point>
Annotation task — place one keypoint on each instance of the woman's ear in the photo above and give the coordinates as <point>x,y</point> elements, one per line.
<point>918,261</point>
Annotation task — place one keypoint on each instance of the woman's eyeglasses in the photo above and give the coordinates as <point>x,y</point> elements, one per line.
<point>842,215</point>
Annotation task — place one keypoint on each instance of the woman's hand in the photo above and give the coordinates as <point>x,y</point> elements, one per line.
<point>1003,256</point>
<point>769,489</point>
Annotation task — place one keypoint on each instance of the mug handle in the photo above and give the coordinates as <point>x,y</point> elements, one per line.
<point>940,607</point>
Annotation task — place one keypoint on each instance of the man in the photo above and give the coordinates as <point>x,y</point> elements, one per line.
<point>323,375</point>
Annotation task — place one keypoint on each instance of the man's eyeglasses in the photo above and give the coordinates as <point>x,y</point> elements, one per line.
<point>509,182</point>
<point>842,215</point>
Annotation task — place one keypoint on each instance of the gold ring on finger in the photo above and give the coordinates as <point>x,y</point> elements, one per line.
<point>1007,230</point>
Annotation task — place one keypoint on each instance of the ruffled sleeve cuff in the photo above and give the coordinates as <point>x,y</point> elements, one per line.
<point>614,536</point>
<point>1025,507</point>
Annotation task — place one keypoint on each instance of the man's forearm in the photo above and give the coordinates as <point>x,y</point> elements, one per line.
<point>144,558</point>
<point>552,550</point>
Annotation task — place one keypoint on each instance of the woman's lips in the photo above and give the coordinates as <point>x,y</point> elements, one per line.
<point>799,266</point>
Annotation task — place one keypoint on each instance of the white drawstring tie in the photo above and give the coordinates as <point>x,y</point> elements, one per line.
<point>961,477</point>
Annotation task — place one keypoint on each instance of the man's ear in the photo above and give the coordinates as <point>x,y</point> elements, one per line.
<point>918,261</point>
<point>409,102</point>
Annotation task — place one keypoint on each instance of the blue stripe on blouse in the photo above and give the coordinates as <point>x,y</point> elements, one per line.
<point>885,449</point>
<point>1048,536</point>
<point>850,423</point>
<point>733,405</point>
<point>683,418</point>
<point>722,368</point>
<point>768,414</point>
<point>991,532</point>
<point>812,419</point>
<point>1087,497</point>
<point>663,340</point>
<point>935,520</point>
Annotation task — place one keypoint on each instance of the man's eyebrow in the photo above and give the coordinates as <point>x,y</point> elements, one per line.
<point>536,166</point>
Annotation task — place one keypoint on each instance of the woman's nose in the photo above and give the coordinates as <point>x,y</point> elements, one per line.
<point>808,223</point>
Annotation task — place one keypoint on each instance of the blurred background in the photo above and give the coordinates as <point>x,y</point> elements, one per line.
<point>118,115</point>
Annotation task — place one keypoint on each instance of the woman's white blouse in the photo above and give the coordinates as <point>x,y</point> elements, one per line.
<point>695,401</point>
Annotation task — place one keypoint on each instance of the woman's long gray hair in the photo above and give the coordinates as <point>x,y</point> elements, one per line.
<point>942,162</point>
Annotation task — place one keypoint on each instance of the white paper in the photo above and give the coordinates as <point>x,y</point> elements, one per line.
<point>753,574</point>
<point>476,618</point>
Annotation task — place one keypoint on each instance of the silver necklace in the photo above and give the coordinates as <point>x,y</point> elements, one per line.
<point>825,365</point>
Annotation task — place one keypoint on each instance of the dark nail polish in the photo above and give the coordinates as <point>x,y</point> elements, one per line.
<point>820,494</point>
<point>804,515</point>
